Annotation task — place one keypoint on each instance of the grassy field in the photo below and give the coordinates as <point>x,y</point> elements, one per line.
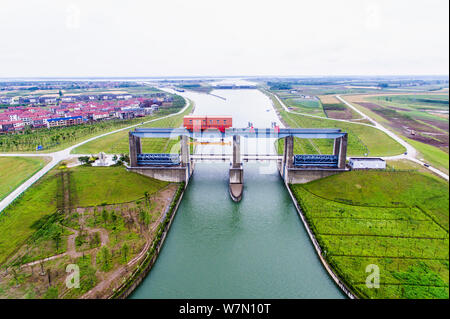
<point>117,143</point>
<point>335,109</point>
<point>307,106</point>
<point>396,220</point>
<point>416,101</point>
<point>15,170</point>
<point>362,139</point>
<point>89,186</point>
<point>432,155</point>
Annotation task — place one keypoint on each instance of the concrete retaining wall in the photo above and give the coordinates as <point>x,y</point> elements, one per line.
<point>168,174</point>
<point>301,176</point>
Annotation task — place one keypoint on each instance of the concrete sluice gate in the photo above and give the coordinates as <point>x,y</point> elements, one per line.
<point>293,168</point>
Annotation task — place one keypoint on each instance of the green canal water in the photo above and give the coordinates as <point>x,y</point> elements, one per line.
<point>257,248</point>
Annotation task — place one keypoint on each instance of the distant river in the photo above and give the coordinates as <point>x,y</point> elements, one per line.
<point>257,248</point>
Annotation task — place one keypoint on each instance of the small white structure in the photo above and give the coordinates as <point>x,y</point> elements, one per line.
<point>104,160</point>
<point>367,163</point>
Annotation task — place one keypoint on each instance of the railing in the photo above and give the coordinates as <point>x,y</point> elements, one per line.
<point>315,160</point>
<point>158,159</point>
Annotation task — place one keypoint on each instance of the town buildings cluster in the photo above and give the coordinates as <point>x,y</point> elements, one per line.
<point>49,111</point>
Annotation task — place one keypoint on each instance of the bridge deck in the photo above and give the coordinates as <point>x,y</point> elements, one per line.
<point>245,157</point>
<point>244,132</point>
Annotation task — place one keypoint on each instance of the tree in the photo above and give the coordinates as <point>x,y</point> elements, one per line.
<point>144,217</point>
<point>105,215</point>
<point>56,236</point>
<point>95,212</point>
<point>105,257</point>
<point>125,249</point>
<point>113,217</point>
<point>95,240</point>
<point>147,198</point>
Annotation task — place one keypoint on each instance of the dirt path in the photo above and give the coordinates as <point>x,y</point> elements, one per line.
<point>71,246</point>
<point>165,198</point>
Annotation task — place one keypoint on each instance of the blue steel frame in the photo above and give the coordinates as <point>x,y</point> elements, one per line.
<point>244,132</point>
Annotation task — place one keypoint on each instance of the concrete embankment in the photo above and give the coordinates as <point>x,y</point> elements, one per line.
<point>318,249</point>
<point>147,263</point>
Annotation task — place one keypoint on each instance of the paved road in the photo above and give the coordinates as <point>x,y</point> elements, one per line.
<point>62,155</point>
<point>411,152</point>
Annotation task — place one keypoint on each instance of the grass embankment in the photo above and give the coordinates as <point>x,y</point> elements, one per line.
<point>398,221</point>
<point>362,139</point>
<point>118,143</point>
<point>433,155</point>
<point>15,170</point>
<point>89,186</point>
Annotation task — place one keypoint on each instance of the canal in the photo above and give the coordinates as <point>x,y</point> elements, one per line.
<point>257,248</point>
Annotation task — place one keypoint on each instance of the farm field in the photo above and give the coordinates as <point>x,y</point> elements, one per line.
<point>421,119</point>
<point>15,170</point>
<point>335,109</point>
<point>97,217</point>
<point>362,139</point>
<point>117,143</point>
<point>396,220</point>
<point>78,91</point>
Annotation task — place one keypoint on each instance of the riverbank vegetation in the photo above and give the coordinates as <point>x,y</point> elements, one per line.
<point>118,143</point>
<point>398,221</point>
<point>100,218</point>
<point>15,170</point>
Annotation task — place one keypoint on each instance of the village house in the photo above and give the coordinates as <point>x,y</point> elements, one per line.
<point>64,121</point>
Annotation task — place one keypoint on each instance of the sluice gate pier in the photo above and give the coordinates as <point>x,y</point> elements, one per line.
<point>293,168</point>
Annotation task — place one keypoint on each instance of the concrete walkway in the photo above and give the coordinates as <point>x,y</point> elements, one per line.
<point>63,155</point>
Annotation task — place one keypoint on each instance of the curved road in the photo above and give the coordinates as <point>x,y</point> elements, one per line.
<point>62,155</point>
<point>411,152</point>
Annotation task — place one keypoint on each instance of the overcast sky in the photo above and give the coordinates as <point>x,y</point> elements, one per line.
<point>65,38</point>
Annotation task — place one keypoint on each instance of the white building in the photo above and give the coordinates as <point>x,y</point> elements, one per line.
<point>367,163</point>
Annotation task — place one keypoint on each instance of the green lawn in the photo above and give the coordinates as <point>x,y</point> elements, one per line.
<point>398,221</point>
<point>15,170</point>
<point>96,185</point>
<point>433,155</point>
<point>89,186</point>
<point>117,143</point>
<point>362,139</point>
